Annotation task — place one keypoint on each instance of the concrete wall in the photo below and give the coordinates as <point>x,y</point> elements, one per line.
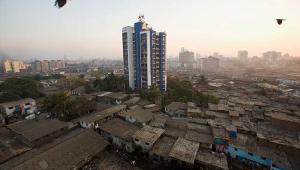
<point>145,146</point>
<point>293,126</point>
<point>117,141</point>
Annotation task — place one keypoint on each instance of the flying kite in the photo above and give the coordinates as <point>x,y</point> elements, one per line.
<point>279,21</point>
<point>60,3</point>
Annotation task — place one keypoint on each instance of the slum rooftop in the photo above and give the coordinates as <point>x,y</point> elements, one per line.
<point>163,146</point>
<point>116,95</point>
<point>114,162</point>
<point>10,145</point>
<point>176,106</point>
<point>33,129</point>
<point>102,114</point>
<point>67,155</point>
<point>132,101</point>
<point>212,160</point>
<point>148,134</point>
<point>204,138</point>
<point>120,128</point>
<point>251,144</point>
<point>141,115</point>
<point>184,150</point>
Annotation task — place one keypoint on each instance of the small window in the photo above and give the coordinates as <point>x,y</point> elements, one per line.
<point>10,107</point>
<point>147,143</point>
<point>136,140</point>
<point>26,104</point>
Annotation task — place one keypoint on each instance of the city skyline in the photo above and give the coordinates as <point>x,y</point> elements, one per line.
<point>38,29</point>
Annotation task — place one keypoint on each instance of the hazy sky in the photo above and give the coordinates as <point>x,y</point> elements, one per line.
<point>92,28</point>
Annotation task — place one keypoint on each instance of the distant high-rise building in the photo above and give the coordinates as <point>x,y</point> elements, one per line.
<point>216,55</point>
<point>46,66</point>
<point>271,57</point>
<point>173,62</point>
<point>209,64</point>
<point>13,66</point>
<point>186,58</point>
<point>144,55</point>
<point>36,66</point>
<point>242,55</point>
<point>7,66</point>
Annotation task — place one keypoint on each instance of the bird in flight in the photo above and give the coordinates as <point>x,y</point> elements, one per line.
<point>60,3</point>
<point>279,21</point>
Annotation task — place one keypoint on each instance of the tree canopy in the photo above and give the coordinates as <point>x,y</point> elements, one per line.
<point>71,83</point>
<point>150,94</point>
<point>111,83</point>
<point>17,88</point>
<point>66,108</point>
<point>182,91</point>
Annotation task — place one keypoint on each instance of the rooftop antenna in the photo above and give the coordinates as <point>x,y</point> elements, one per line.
<point>141,18</point>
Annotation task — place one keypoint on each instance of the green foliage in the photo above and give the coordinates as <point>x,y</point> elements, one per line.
<point>67,108</point>
<point>202,80</point>
<point>96,74</point>
<point>18,88</point>
<point>89,88</point>
<point>182,91</point>
<point>71,83</point>
<point>81,76</point>
<point>111,83</point>
<point>263,81</point>
<point>151,94</point>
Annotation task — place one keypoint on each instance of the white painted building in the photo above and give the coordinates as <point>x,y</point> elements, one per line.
<point>24,107</point>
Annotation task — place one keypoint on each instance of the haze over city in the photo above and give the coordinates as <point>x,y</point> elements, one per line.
<point>144,85</point>
<point>91,29</point>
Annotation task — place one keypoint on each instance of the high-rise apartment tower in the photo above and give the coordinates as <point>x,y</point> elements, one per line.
<point>144,56</point>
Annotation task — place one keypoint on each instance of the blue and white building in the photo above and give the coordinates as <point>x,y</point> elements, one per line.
<point>144,56</point>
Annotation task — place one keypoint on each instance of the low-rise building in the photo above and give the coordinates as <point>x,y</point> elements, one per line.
<point>201,134</point>
<point>119,132</point>
<point>176,109</point>
<point>112,97</point>
<point>22,107</point>
<point>161,149</point>
<point>220,139</point>
<point>205,159</point>
<point>139,116</point>
<point>10,145</point>
<point>176,128</point>
<point>146,137</point>
<point>184,152</point>
<point>132,101</point>
<point>35,133</point>
<point>72,153</point>
<point>96,119</point>
<point>286,121</point>
<point>159,121</point>
<point>78,91</point>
